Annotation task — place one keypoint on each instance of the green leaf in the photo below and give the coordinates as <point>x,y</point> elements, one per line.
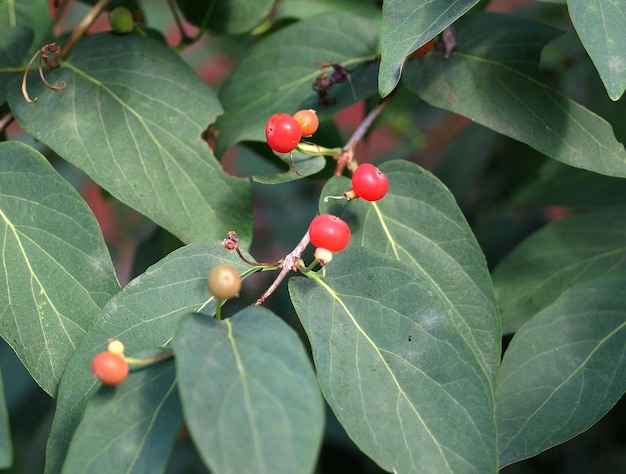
<point>302,166</point>
<point>419,223</point>
<point>601,26</point>
<point>578,248</point>
<point>301,9</point>
<point>56,269</point>
<point>250,397</point>
<point>394,366</point>
<point>143,316</point>
<point>131,427</point>
<point>131,118</point>
<point>33,14</point>
<point>563,370</point>
<point>491,78</point>
<point>14,45</point>
<point>233,17</point>
<point>408,25</point>
<point>558,184</point>
<point>6,447</point>
<point>278,72</point>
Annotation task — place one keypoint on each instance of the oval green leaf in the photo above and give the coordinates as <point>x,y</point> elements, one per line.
<point>491,78</point>
<point>57,271</point>
<point>131,118</point>
<point>394,366</point>
<point>419,223</point>
<point>300,166</point>
<point>143,413</point>
<point>143,316</point>
<point>278,72</point>
<point>407,25</point>
<point>563,370</point>
<point>601,26</point>
<point>581,247</point>
<point>249,394</point>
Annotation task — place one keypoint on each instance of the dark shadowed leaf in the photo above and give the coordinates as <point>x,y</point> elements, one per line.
<point>131,427</point>
<point>6,447</point>
<point>563,370</point>
<point>32,14</point>
<point>143,316</point>
<point>226,16</point>
<point>562,185</point>
<point>578,248</point>
<point>56,269</point>
<point>407,25</point>
<point>300,9</point>
<point>14,44</point>
<point>131,118</point>
<point>395,367</point>
<point>492,79</point>
<point>601,26</point>
<point>278,73</point>
<point>249,394</point>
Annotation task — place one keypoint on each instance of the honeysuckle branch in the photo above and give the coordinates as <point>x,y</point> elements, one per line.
<point>83,26</point>
<point>344,158</point>
<point>289,263</point>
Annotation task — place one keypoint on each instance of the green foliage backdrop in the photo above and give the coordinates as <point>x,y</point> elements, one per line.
<point>477,317</point>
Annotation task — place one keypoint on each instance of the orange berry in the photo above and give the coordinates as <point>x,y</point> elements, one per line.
<point>109,368</point>
<point>307,118</point>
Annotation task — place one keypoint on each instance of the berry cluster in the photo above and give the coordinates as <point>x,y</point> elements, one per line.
<point>329,233</point>
<point>283,131</point>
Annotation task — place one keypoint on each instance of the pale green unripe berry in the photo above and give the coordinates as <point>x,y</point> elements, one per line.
<point>323,256</point>
<point>122,20</point>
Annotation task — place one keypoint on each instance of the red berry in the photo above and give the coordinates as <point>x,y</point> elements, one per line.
<point>308,121</point>
<point>282,133</point>
<point>369,183</point>
<point>424,50</point>
<point>329,232</point>
<point>109,368</point>
<point>223,282</point>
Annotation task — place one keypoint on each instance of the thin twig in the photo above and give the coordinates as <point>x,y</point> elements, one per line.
<point>5,120</point>
<point>347,153</point>
<point>290,263</point>
<point>24,88</point>
<point>83,26</point>
<point>185,39</point>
